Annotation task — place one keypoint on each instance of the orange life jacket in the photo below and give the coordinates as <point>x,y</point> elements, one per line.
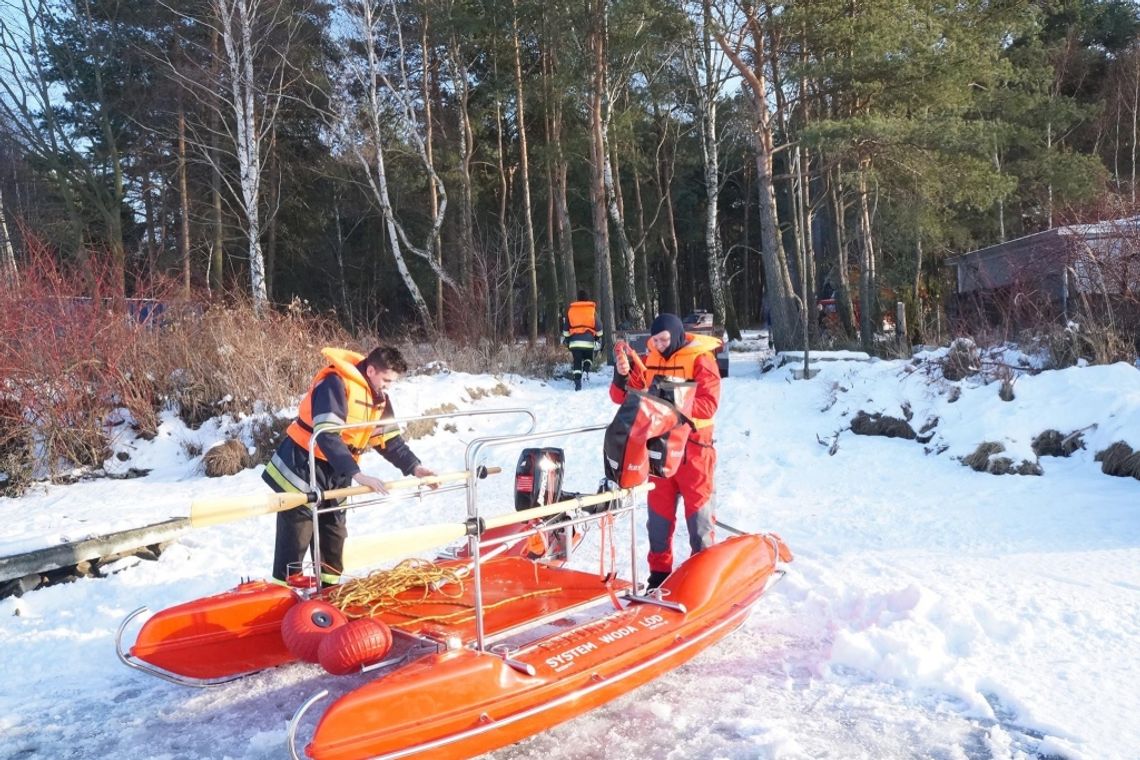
<point>681,365</point>
<point>360,405</point>
<point>582,316</point>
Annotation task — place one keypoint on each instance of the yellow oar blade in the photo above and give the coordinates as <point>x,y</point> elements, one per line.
<point>369,550</point>
<point>565,505</point>
<point>204,512</point>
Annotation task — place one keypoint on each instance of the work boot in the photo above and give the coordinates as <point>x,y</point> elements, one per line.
<point>656,578</point>
<point>577,382</point>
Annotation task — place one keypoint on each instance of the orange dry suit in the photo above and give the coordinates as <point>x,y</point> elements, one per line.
<point>339,395</point>
<point>693,480</point>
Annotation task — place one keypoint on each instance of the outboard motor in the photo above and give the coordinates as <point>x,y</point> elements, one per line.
<point>538,477</point>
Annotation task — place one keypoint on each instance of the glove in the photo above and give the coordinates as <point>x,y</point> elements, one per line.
<point>597,346</point>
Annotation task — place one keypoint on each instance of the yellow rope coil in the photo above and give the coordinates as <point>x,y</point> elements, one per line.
<point>377,592</point>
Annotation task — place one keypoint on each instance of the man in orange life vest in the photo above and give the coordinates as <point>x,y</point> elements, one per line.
<point>675,354</point>
<point>352,388</point>
<point>582,334</point>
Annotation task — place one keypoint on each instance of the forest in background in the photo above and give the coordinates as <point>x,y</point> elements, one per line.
<point>461,168</point>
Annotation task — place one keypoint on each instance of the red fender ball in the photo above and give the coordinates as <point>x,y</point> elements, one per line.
<point>306,624</point>
<point>358,643</point>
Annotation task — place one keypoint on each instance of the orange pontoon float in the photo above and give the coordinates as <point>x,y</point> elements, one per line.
<point>499,646</point>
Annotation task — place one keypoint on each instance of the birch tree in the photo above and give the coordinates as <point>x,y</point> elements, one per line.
<point>253,42</point>
<point>705,69</point>
<point>381,73</point>
<point>9,274</point>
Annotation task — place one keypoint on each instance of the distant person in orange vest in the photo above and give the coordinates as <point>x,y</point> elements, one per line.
<point>351,388</point>
<point>582,334</point>
<point>677,355</point>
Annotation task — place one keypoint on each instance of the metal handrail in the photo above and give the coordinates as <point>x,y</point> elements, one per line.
<point>474,541</point>
<point>471,477</point>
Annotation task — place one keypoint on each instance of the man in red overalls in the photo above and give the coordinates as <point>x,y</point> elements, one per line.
<point>677,355</point>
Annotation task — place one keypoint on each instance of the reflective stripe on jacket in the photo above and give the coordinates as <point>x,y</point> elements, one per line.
<point>581,327</point>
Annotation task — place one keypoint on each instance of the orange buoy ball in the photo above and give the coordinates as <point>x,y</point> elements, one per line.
<point>358,643</point>
<point>306,624</point>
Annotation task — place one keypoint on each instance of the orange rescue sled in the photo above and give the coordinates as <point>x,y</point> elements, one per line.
<point>512,647</point>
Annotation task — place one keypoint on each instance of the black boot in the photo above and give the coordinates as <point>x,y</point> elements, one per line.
<point>656,578</point>
<point>577,382</point>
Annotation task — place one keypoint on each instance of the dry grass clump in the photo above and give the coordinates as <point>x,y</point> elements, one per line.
<point>983,460</point>
<point>486,357</point>
<point>1053,443</point>
<point>881,424</point>
<point>1095,344</point>
<point>498,389</point>
<point>230,359</point>
<point>423,428</point>
<point>1120,460</point>
<point>228,458</point>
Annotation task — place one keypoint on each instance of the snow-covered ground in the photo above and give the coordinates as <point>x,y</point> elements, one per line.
<point>931,611</point>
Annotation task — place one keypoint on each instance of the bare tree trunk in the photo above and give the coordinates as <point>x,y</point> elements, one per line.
<point>842,279</point>
<point>702,72</point>
<point>217,254</point>
<point>641,252</point>
<point>9,272</point>
<point>1049,187</point>
<point>184,201</point>
<point>466,156</point>
<point>524,165</point>
<point>429,142</point>
<point>866,264</point>
<point>598,164</point>
<point>669,244</point>
<point>146,190</point>
<point>558,175</point>
<point>338,251</point>
<point>1000,201</point>
<point>553,254</point>
<point>504,248</point>
<point>626,305</point>
<point>776,276</point>
<point>1135,113</point>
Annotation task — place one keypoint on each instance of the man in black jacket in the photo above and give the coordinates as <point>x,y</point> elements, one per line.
<point>352,390</point>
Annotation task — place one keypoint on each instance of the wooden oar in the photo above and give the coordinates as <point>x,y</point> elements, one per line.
<point>368,550</point>
<point>214,511</point>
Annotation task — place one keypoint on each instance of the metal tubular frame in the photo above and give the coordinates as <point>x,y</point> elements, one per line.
<point>470,484</point>
<point>474,541</point>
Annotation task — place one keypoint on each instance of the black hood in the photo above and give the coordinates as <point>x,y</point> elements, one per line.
<point>673,324</point>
